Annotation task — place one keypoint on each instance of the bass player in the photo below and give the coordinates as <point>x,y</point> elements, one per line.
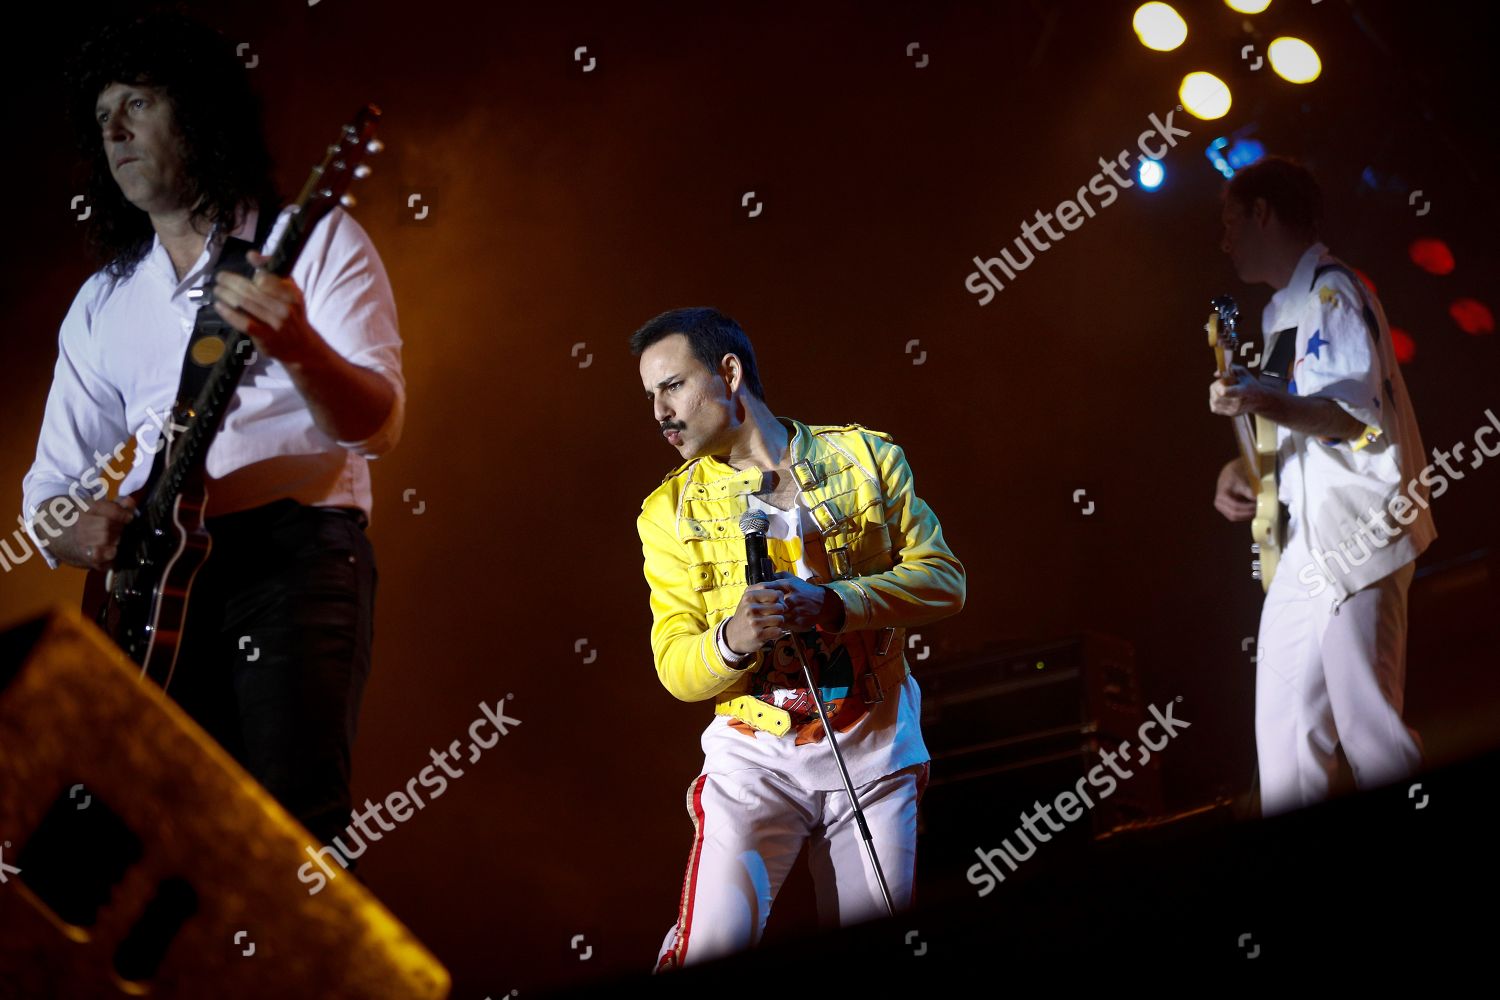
<point>1331,655</point>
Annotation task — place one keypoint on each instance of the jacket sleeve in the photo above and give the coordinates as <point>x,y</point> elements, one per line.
<point>682,643</point>
<point>1340,361</point>
<point>927,581</point>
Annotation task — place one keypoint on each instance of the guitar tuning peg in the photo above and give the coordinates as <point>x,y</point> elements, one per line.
<point>362,171</point>
<point>347,200</point>
<point>374,146</point>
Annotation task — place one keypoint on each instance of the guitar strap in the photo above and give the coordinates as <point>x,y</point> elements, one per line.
<point>1279,362</point>
<point>210,332</point>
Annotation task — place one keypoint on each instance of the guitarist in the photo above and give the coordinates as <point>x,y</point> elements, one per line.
<point>276,645</point>
<point>1331,655</point>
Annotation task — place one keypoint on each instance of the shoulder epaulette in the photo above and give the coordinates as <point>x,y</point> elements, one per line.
<point>842,428</point>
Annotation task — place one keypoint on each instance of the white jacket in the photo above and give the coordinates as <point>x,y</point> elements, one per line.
<point>1341,492</point>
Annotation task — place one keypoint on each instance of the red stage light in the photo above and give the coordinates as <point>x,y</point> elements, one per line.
<point>1432,255</point>
<point>1472,316</point>
<point>1403,345</point>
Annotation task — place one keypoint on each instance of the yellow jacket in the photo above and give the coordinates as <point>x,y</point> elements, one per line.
<point>885,549</point>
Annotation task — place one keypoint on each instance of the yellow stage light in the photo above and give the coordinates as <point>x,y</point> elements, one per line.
<point>1204,95</point>
<point>1294,60</point>
<point>1159,27</point>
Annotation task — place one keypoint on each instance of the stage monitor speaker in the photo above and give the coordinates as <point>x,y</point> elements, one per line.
<point>137,858</point>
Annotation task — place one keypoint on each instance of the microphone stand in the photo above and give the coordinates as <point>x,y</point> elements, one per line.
<point>758,570</point>
<point>859,814</point>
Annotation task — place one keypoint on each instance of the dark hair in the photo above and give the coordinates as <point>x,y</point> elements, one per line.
<point>1290,190</point>
<point>215,114</point>
<point>711,334</point>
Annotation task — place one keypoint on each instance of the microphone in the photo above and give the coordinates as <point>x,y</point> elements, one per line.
<point>758,565</point>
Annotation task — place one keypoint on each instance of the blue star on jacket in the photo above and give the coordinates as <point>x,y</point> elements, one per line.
<point>1316,343</point>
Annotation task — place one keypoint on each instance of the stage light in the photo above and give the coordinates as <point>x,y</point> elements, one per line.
<point>1404,347</point>
<point>1159,27</point>
<point>1294,60</point>
<point>1151,174</point>
<point>1472,316</point>
<point>1247,6</point>
<point>1244,152</point>
<point>1229,153</point>
<point>1204,95</point>
<point>1215,154</point>
<point>1431,255</point>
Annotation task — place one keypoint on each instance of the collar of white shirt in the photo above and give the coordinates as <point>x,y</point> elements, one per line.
<point>158,259</point>
<point>1285,307</point>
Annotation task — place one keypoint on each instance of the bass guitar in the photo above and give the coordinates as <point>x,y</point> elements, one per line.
<point>1256,437</point>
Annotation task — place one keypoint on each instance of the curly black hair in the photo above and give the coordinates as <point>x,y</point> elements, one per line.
<point>216,114</point>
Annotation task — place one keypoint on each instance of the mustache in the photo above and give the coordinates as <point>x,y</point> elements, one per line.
<point>672,427</point>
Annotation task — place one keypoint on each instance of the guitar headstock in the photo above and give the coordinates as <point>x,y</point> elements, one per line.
<point>1223,330</point>
<point>328,184</point>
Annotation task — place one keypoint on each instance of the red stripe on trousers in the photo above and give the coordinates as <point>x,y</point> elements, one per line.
<point>674,958</point>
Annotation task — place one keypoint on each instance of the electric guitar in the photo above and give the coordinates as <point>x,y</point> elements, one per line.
<point>1257,440</point>
<point>142,602</point>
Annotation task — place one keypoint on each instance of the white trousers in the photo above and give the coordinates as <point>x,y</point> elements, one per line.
<point>1325,679</point>
<point>749,826</point>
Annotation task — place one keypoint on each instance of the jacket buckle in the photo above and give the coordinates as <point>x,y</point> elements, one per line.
<point>883,646</point>
<point>874,693</point>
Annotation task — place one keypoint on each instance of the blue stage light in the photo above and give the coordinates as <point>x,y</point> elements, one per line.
<point>1151,174</point>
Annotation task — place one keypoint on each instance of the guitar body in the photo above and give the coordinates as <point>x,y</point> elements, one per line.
<point>142,602</point>
<point>1267,528</point>
<point>1256,437</point>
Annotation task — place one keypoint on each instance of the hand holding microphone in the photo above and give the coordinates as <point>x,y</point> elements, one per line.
<point>774,603</point>
<point>759,619</point>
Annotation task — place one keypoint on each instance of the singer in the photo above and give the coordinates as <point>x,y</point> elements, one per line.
<point>859,558</point>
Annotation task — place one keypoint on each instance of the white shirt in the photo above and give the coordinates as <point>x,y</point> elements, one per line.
<point>1329,487</point>
<point>886,739</point>
<point>120,354</point>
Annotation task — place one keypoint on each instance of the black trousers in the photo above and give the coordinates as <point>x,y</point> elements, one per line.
<point>276,650</point>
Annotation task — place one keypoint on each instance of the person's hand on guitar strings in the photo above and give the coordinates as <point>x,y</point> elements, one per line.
<point>92,541</point>
<point>1237,392</point>
<point>1234,497</point>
